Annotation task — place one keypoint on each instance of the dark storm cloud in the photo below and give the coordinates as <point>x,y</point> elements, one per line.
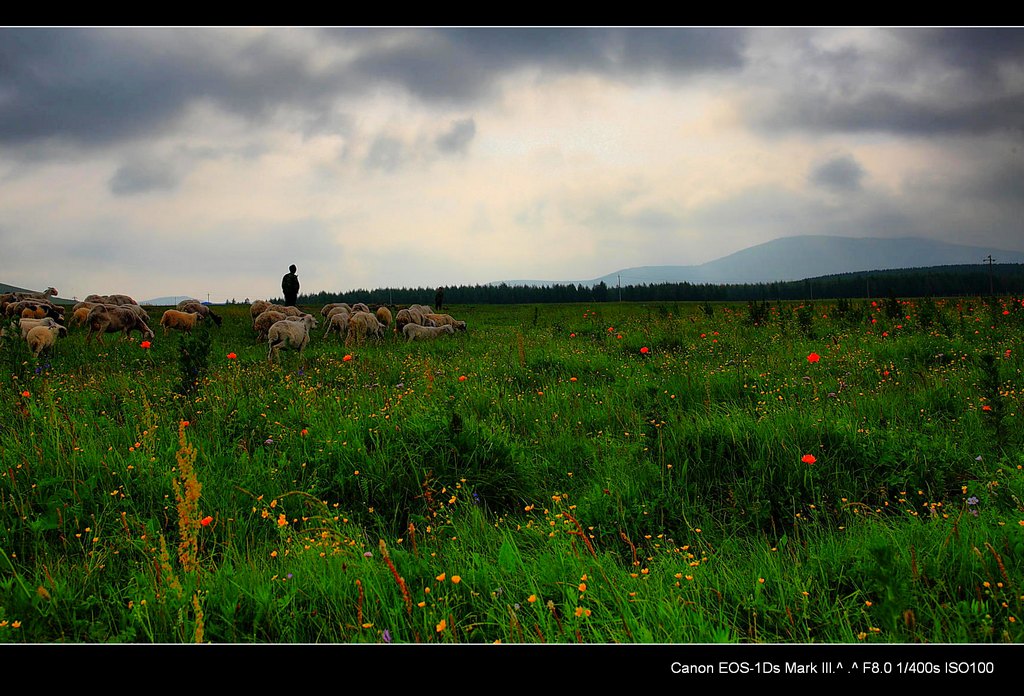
<point>842,174</point>
<point>90,86</point>
<point>461,65</point>
<point>458,137</point>
<point>922,82</point>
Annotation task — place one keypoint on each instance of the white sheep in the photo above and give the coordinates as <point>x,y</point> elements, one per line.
<point>415,332</point>
<point>361,325</point>
<point>43,338</point>
<point>29,324</point>
<point>338,322</point>
<point>180,321</point>
<point>293,333</point>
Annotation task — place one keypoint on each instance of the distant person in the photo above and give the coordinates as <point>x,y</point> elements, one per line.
<point>290,286</point>
<point>439,299</point>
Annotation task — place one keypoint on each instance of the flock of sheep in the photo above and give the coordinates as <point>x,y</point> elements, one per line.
<point>289,327</point>
<point>41,322</point>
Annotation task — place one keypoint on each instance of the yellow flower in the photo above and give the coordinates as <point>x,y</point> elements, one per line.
<point>440,578</point>
<point>532,598</point>
<point>15,624</point>
<point>441,626</point>
<point>580,611</point>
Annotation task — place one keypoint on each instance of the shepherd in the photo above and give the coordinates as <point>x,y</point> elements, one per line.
<point>290,286</point>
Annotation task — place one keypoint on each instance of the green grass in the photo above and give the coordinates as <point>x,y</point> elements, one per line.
<point>580,488</point>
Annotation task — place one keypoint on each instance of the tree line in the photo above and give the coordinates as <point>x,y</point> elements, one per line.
<point>935,281</point>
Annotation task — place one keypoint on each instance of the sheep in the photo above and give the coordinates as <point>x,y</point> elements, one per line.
<point>257,308</point>
<point>361,325</point>
<point>80,315</point>
<point>265,320</point>
<point>197,307</point>
<point>110,318</point>
<point>43,338</point>
<point>292,333</point>
<point>110,299</point>
<point>442,319</point>
<point>325,311</point>
<point>415,332</point>
<point>384,316</point>
<point>181,321</point>
<point>338,322</point>
<point>27,325</point>
<point>359,307</point>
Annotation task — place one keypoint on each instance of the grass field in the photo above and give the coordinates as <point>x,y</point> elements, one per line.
<point>638,473</point>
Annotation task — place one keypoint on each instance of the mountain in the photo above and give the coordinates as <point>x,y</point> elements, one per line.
<point>796,258</point>
<point>168,301</point>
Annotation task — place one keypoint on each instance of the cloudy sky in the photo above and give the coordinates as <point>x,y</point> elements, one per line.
<point>168,161</point>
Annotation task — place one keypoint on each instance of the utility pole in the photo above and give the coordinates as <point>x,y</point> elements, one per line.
<point>991,290</point>
<point>619,276</point>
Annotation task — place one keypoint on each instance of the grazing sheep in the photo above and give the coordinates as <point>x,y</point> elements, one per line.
<point>287,333</point>
<point>338,322</point>
<point>110,299</point>
<point>443,319</point>
<point>110,318</point>
<point>383,315</point>
<point>361,325</point>
<point>265,320</point>
<point>197,307</point>
<point>180,321</point>
<point>325,311</point>
<point>415,332</point>
<point>257,308</point>
<point>43,338</point>
<point>27,324</point>
<point>79,316</point>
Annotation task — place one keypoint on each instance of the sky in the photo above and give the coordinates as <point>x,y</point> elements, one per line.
<point>204,161</point>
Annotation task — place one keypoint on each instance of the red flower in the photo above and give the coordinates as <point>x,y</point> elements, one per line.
<point>347,358</point>
<point>572,335</point>
<point>145,344</point>
<point>986,407</point>
<point>26,394</point>
<point>206,521</point>
<point>231,356</point>
<point>304,432</point>
<point>813,358</point>
<point>808,459</point>
<point>645,350</point>
<point>462,378</point>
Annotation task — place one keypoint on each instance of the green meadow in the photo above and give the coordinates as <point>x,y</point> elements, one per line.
<point>835,472</point>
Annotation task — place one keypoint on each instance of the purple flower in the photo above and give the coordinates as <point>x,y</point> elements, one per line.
<point>268,441</point>
<point>973,500</point>
<point>368,554</point>
<point>386,636</point>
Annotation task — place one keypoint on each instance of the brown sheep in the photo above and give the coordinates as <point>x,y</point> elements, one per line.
<point>265,320</point>
<point>257,308</point>
<point>447,319</point>
<point>80,315</point>
<point>338,322</point>
<point>180,321</point>
<point>325,311</point>
<point>197,307</point>
<point>384,317</point>
<point>110,318</point>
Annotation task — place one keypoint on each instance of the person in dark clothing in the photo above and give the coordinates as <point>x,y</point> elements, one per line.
<point>439,299</point>
<point>290,287</point>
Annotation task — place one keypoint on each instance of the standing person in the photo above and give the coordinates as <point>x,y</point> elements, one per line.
<point>290,286</point>
<point>439,299</point>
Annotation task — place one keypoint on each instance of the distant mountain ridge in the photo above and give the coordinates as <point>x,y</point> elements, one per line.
<point>796,258</point>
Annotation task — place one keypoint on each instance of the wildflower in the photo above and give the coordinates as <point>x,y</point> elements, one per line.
<point>813,358</point>
<point>231,356</point>
<point>977,459</point>
<point>462,378</point>
<point>441,626</point>
<point>973,500</point>
<point>808,459</point>
<point>268,441</point>
<point>304,432</point>
<point>206,521</point>
<point>456,579</point>
<point>986,407</point>
<point>645,350</point>
<point>440,578</point>
<point>386,636</point>
<point>572,335</point>
<point>347,358</point>
<point>368,554</point>
<point>145,344</point>
<point>532,598</point>
<point>26,394</point>
<point>572,379</point>
<point>580,611</point>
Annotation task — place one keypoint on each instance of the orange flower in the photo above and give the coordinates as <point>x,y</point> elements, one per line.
<point>26,394</point>
<point>808,459</point>
<point>206,521</point>
<point>231,356</point>
<point>462,378</point>
<point>440,578</point>
<point>533,598</point>
<point>813,358</point>
<point>304,432</point>
<point>145,344</point>
<point>572,379</point>
<point>456,579</point>
<point>347,358</point>
<point>441,626</point>
<point>986,407</point>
